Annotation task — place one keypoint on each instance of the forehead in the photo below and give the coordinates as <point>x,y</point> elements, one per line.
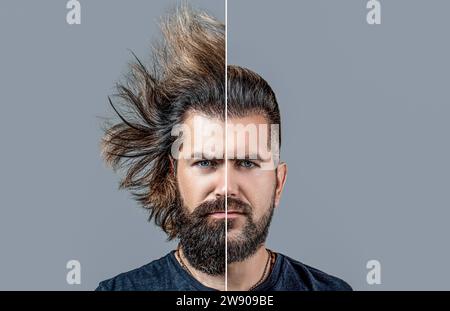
<point>245,135</point>
<point>197,120</point>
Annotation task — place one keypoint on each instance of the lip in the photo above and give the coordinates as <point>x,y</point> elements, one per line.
<point>231,214</point>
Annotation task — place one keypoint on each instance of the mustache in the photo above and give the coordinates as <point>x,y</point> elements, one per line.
<point>218,205</point>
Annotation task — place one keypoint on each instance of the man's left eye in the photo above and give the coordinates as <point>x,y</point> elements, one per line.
<point>204,163</point>
<point>247,164</point>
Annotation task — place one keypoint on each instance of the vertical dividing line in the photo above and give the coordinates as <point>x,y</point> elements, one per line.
<point>226,148</point>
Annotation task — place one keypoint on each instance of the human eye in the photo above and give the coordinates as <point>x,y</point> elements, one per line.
<point>205,164</point>
<point>247,164</point>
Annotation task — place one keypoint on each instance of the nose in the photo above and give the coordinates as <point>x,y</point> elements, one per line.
<point>226,184</point>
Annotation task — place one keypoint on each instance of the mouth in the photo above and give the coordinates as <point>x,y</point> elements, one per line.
<point>222,214</point>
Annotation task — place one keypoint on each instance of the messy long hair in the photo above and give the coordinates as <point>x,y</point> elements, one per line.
<point>186,74</point>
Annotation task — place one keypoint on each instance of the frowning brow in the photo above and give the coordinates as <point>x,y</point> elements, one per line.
<point>254,156</point>
<point>251,156</point>
<point>201,155</point>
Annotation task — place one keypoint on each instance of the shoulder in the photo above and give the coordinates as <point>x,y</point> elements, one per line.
<point>315,279</point>
<point>151,276</point>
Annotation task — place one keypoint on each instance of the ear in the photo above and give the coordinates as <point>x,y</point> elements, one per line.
<point>281,174</point>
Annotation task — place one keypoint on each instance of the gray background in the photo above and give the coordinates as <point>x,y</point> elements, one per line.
<point>58,200</point>
<point>366,121</point>
<point>365,114</point>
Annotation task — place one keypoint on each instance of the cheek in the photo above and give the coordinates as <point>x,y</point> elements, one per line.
<point>258,188</point>
<point>193,187</point>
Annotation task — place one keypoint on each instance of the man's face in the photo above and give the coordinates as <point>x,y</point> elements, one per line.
<point>201,177</point>
<point>205,177</point>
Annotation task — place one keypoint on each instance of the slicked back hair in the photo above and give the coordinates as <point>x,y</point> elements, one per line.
<point>187,74</point>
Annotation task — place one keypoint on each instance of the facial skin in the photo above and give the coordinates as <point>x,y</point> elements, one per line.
<point>249,187</point>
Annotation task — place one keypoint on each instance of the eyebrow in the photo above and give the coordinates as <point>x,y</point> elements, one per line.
<point>251,156</point>
<point>201,155</point>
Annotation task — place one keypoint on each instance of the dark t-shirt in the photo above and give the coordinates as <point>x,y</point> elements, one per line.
<point>166,274</point>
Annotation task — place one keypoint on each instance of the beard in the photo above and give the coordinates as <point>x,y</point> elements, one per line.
<point>203,238</point>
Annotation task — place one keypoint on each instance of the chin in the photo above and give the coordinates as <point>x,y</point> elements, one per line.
<point>234,234</point>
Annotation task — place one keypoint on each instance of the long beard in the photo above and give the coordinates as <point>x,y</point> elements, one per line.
<point>203,239</point>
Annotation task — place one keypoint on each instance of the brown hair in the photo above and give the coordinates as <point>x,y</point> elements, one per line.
<point>187,74</point>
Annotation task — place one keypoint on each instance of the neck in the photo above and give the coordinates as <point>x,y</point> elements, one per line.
<point>241,275</point>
